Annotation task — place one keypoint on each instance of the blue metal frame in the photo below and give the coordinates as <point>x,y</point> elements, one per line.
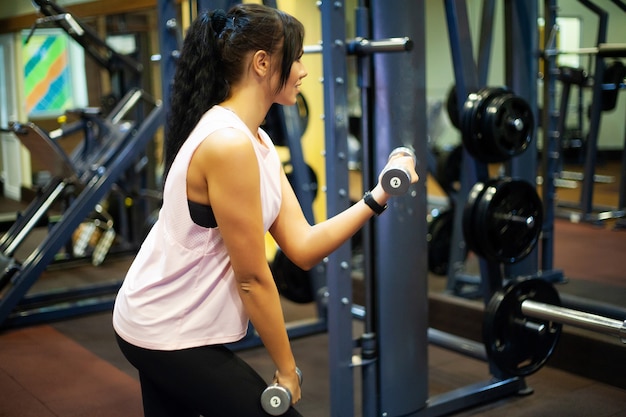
<point>396,349</point>
<point>338,271</point>
<point>551,141</point>
<point>467,80</point>
<point>399,250</point>
<point>92,188</point>
<point>521,68</point>
<point>591,151</point>
<point>290,125</point>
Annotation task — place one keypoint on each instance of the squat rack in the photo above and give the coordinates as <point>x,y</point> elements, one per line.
<point>393,352</point>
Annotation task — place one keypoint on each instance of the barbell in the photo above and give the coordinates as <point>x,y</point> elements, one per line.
<point>363,46</point>
<point>523,322</point>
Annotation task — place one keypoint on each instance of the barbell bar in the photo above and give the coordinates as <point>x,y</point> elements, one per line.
<point>523,322</point>
<point>357,46</point>
<point>605,50</point>
<point>527,220</point>
<point>363,46</point>
<point>580,319</point>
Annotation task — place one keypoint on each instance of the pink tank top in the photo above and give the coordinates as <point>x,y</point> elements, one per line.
<point>180,290</point>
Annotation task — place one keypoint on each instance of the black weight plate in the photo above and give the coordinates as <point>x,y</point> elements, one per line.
<point>512,341</point>
<point>471,120</point>
<point>507,128</point>
<point>310,187</point>
<point>292,282</point>
<point>467,117</point>
<point>439,238</point>
<point>452,107</point>
<point>274,123</point>
<point>448,173</point>
<point>508,216</point>
<point>471,235</point>
<point>303,112</point>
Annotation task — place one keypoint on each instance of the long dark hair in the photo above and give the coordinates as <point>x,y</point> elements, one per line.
<point>213,58</point>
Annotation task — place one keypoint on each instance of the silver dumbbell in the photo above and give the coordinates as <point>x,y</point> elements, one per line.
<point>396,179</point>
<point>276,399</point>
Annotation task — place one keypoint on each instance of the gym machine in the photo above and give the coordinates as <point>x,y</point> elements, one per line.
<point>109,160</point>
<point>79,188</point>
<point>605,82</point>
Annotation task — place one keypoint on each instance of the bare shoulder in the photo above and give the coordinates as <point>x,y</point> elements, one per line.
<point>225,144</point>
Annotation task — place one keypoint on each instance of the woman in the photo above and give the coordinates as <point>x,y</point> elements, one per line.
<point>201,274</point>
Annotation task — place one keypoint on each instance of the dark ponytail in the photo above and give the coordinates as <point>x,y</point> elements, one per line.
<point>198,84</point>
<point>213,57</point>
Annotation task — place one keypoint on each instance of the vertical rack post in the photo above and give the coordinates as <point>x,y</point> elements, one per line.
<point>369,345</point>
<point>591,149</point>
<point>338,268</point>
<point>400,248</point>
<point>521,76</point>
<point>168,44</point>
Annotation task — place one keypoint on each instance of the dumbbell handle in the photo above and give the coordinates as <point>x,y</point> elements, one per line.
<point>276,399</point>
<point>395,179</point>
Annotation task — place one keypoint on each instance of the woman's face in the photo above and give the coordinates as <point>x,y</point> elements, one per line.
<point>287,95</point>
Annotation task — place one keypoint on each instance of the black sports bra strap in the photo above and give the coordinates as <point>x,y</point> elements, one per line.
<point>202,214</point>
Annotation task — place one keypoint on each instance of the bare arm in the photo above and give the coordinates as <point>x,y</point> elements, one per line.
<point>228,163</point>
<point>306,245</point>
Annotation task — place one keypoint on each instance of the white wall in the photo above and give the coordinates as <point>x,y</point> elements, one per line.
<point>14,159</point>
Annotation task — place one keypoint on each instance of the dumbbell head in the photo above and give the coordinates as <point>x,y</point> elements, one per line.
<point>403,150</point>
<point>396,180</point>
<point>276,400</point>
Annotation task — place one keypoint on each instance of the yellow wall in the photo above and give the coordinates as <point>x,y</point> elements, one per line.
<point>313,140</point>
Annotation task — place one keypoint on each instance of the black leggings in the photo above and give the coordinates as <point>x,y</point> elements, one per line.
<point>210,381</point>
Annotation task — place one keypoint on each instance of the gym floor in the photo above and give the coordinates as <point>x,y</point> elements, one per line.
<point>72,368</point>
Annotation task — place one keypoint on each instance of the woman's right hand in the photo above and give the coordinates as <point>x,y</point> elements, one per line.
<point>407,162</point>
<point>291,381</point>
